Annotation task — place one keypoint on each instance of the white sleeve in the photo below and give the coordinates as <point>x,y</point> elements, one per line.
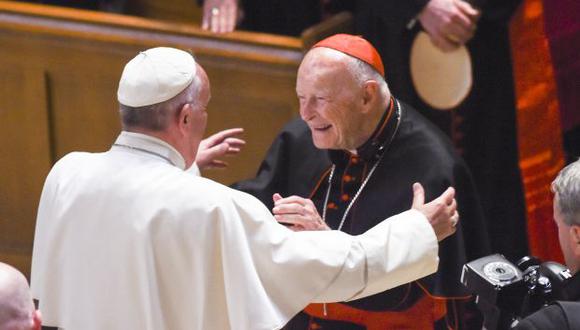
<point>287,270</point>
<point>194,169</point>
<point>398,250</point>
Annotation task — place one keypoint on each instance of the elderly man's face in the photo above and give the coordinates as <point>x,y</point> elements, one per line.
<point>568,241</point>
<point>329,101</point>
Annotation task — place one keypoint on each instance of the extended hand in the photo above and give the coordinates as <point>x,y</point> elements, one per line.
<point>220,16</point>
<point>441,212</point>
<point>220,144</point>
<point>298,212</point>
<point>449,23</point>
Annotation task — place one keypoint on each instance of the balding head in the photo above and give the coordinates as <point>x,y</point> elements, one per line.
<point>16,308</point>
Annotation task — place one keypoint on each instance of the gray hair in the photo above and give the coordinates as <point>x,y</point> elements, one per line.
<point>156,117</point>
<point>363,72</point>
<point>566,186</point>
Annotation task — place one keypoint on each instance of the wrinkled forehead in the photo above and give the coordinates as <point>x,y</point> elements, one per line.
<point>323,65</point>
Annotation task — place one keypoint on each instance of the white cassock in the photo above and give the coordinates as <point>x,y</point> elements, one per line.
<point>127,239</point>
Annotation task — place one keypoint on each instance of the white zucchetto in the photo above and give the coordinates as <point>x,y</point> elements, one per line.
<point>154,76</point>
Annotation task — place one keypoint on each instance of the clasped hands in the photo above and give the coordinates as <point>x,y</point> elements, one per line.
<point>301,214</point>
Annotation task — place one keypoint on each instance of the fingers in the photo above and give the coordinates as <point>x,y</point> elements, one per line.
<point>229,21</point>
<point>441,212</point>
<point>462,26</point>
<point>301,223</point>
<point>459,20</point>
<point>220,16</point>
<point>453,206</point>
<point>217,151</point>
<point>235,145</point>
<point>226,139</point>
<point>223,143</point>
<point>454,219</point>
<point>444,44</point>
<point>216,163</point>
<point>294,208</point>
<point>418,195</point>
<point>225,134</point>
<point>449,23</point>
<point>295,205</point>
<point>293,199</point>
<point>205,21</point>
<point>458,34</point>
<point>447,197</point>
<point>468,10</point>
<point>214,20</point>
<point>299,212</point>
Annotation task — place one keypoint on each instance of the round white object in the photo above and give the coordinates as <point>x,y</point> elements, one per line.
<point>442,80</point>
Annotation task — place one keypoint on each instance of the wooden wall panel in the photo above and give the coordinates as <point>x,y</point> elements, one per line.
<point>25,159</point>
<point>174,10</point>
<point>60,68</point>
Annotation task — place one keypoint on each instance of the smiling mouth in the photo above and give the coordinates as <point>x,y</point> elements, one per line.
<point>321,128</point>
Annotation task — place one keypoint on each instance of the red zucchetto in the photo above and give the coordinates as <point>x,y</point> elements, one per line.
<point>354,46</point>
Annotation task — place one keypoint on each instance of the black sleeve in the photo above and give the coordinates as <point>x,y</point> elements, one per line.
<point>499,11</point>
<point>472,220</point>
<point>292,166</point>
<point>272,174</point>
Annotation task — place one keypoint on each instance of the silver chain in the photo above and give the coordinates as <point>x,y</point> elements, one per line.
<point>355,196</point>
<point>331,175</point>
<point>366,180</point>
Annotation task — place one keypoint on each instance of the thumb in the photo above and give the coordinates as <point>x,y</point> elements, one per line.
<point>418,195</point>
<point>467,9</point>
<point>276,197</point>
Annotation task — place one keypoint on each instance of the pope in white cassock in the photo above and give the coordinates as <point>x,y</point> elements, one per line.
<point>134,238</point>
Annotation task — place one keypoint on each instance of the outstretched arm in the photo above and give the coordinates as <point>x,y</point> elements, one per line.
<point>301,213</point>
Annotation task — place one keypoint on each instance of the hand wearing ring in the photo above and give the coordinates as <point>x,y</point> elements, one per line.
<point>220,16</point>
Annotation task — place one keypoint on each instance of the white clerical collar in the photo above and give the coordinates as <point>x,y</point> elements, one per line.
<point>150,145</point>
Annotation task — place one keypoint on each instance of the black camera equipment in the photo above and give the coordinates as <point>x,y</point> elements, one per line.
<point>505,293</point>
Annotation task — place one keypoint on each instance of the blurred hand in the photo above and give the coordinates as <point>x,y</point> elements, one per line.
<point>300,213</point>
<point>449,23</point>
<point>441,212</point>
<point>220,16</point>
<point>223,143</point>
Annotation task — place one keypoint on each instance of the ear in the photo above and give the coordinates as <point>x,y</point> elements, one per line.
<point>575,238</point>
<point>370,93</point>
<point>184,117</point>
